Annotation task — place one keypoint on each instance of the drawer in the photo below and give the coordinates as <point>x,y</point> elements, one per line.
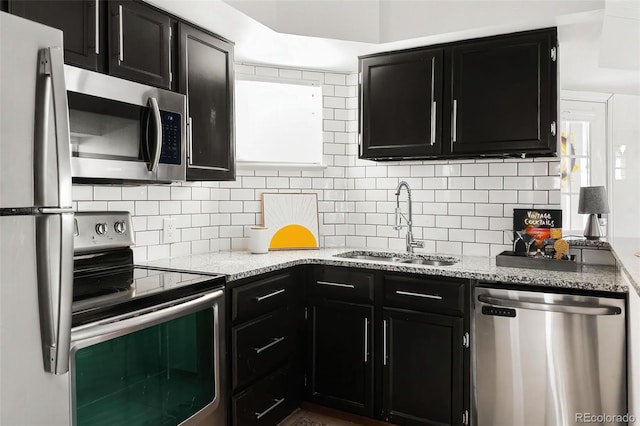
<point>261,345</point>
<point>262,296</point>
<point>266,403</point>
<point>344,284</point>
<point>428,293</point>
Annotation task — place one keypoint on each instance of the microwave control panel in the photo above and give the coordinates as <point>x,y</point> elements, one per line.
<point>171,138</point>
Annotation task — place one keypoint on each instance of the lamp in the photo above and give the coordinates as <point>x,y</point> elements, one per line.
<point>593,201</point>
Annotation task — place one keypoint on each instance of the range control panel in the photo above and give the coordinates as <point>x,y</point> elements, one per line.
<point>101,231</point>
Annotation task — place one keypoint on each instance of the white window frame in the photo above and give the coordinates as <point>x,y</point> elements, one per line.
<point>262,165</point>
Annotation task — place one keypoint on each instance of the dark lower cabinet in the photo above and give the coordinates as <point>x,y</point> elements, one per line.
<point>504,95</point>
<point>80,20</point>
<point>139,47</point>
<point>206,77</point>
<point>422,370</point>
<point>267,402</point>
<point>340,361</point>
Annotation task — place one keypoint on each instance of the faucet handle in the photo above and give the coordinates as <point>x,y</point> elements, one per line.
<point>418,244</point>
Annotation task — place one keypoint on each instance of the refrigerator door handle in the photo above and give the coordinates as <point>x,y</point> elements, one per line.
<point>54,248</point>
<point>50,85</point>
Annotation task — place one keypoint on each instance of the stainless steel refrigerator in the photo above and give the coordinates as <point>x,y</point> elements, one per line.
<point>36,226</point>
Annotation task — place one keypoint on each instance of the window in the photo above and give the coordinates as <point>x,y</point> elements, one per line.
<point>278,121</point>
<point>583,159</point>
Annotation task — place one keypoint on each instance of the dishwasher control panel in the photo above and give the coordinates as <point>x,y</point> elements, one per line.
<point>499,312</point>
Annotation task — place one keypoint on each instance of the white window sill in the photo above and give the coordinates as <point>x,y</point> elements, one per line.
<point>254,165</point>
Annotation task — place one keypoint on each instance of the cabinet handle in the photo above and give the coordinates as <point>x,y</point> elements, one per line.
<point>266,296</point>
<point>366,340</point>
<point>433,105</point>
<point>274,341</point>
<point>433,123</point>
<point>120,35</point>
<point>190,126</point>
<point>454,127</point>
<point>97,29</point>
<point>277,402</point>
<point>427,296</point>
<point>335,284</point>
<point>384,342</point>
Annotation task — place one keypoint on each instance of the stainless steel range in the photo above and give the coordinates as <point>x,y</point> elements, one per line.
<point>147,345</point>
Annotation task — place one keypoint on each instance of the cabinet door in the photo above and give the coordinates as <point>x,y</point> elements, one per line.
<point>78,19</point>
<point>504,95</point>
<point>401,104</point>
<point>422,368</point>
<point>140,48</point>
<point>340,364</point>
<point>206,77</point>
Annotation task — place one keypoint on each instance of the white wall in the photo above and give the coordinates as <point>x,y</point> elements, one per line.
<point>633,351</point>
<point>625,165</point>
<point>460,207</point>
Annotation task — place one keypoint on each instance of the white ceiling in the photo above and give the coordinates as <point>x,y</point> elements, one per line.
<point>599,40</point>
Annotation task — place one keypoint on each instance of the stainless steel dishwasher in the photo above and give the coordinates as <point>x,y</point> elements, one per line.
<point>543,359</point>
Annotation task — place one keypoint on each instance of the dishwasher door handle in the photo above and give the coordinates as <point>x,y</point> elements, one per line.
<point>551,307</point>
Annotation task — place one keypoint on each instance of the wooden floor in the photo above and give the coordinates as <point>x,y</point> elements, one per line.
<point>313,415</point>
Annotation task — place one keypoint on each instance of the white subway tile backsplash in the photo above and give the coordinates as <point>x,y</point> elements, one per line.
<point>459,206</point>
<point>107,193</point>
<point>134,193</point>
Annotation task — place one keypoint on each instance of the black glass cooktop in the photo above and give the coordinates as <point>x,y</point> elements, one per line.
<point>103,288</point>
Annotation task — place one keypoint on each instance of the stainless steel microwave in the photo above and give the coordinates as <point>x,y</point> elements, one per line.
<point>123,131</point>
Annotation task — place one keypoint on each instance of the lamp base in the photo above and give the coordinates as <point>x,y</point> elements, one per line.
<point>592,230</point>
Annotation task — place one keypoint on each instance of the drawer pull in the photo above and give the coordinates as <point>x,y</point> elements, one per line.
<point>427,296</point>
<point>266,296</point>
<point>336,284</point>
<point>277,402</point>
<point>366,340</point>
<point>275,341</point>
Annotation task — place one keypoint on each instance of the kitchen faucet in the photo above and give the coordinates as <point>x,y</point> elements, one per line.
<point>411,243</point>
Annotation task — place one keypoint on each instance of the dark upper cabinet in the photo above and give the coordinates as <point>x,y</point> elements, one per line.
<point>504,95</point>
<point>340,361</point>
<point>206,77</point>
<point>494,96</point>
<point>422,371</point>
<point>80,20</point>
<point>139,47</point>
<point>401,104</point>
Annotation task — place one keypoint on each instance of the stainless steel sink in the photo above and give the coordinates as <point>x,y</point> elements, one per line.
<point>431,262</point>
<point>379,257</point>
<point>399,258</point>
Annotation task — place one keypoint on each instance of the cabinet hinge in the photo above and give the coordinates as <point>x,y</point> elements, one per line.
<point>360,77</point>
<point>553,128</point>
<point>465,417</point>
<point>554,53</point>
<point>465,339</point>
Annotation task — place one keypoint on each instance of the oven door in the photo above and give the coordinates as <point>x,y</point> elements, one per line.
<point>162,365</point>
<point>124,131</point>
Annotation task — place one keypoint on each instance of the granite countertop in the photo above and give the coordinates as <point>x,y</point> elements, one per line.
<point>624,250</point>
<point>241,264</point>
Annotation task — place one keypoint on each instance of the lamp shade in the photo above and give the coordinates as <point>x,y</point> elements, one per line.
<point>593,200</point>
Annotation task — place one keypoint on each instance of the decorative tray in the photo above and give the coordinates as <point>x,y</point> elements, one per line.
<point>512,260</point>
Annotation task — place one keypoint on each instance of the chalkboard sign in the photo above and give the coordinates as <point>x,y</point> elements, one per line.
<point>534,227</point>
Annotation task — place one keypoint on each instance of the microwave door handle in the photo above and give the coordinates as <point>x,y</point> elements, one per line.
<point>153,163</point>
<point>52,172</point>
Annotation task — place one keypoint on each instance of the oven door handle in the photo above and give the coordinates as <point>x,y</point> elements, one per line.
<point>108,329</point>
